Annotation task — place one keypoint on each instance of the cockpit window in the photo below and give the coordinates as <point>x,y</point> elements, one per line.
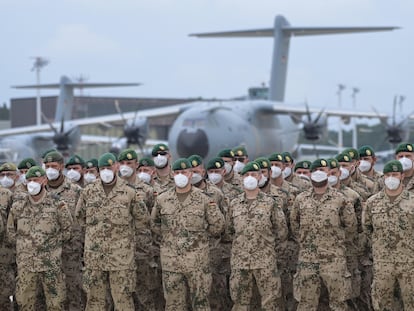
<point>200,122</point>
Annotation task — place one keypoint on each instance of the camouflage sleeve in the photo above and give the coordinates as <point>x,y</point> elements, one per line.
<point>294,219</point>
<point>229,225</point>
<point>156,217</point>
<point>80,212</point>
<point>367,218</point>
<point>12,222</point>
<point>348,218</point>
<point>5,205</point>
<point>215,218</point>
<point>279,222</point>
<point>140,213</point>
<point>65,220</point>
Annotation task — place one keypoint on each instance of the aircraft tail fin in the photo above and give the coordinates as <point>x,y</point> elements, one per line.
<point>281,33</point>
<point>64,107</point>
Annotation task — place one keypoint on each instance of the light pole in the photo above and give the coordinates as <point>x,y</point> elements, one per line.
<point>37,66</point>
<point>355,90</point>
<point>341,87</point>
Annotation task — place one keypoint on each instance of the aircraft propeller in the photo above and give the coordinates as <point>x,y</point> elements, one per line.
<point>61,139</point>
<point>313,126</point>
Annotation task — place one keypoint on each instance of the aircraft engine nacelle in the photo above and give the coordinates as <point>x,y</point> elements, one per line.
<point>136,131</point>
<point>315,127</point>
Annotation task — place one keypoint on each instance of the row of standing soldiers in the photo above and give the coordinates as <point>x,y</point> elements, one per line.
<point>270,234</point>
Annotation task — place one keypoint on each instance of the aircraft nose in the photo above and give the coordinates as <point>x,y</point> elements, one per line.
<point>192,142</point>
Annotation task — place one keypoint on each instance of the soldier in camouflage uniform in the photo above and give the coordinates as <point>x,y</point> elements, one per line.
<point>74,170</point>
<point>90,171</point>
<point>366,166</point>
<point>9,175</point>
<point>288,174</point>
<point>389,221</point>
<point>229,177</point>
<point>218,299</point>
<point>405,154</point>
<point>113,216</point>
<point>23,167</point>
<point>69,192</point>
<point>147,285</point>
<point>321,220</point>
<point>302,170</point>
<point>256,224</point>
<point>185,217</point>
<point>240,159</point>
<point>276,175</point>
<point>146,172</point>
<point>286,253</point>
<point>162,160</point>
<point>39,225</point>
<point>7,256</point>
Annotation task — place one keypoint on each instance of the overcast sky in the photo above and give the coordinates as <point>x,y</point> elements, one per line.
<point>148,42</point>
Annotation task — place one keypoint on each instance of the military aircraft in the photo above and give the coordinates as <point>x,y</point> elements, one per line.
<point>263,126</point>
<point>61,133</point>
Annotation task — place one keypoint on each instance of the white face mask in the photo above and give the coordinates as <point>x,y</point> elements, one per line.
<point>106,175</point>
<point>89,177</point>
<point>52,173</point>
<point>228,167</point>
<point>73,175</point>
<point>196,178</point>
<point>6,182</point>
<point>145,177</point>
<point>181,180</point>
<point>332,180</point>
<point>406,163</point>
<point>303,176</point>
<point>33,187</point>
<point>215,178</point>
<point>276,171</point>
<point>319,176</point>
<point>22,179</point>
<point>364,166</point>
<point>344,173</point>
<point>126,171</point>
<point>262,181</point>
<point>392,183</point>
<point>160,161</point>
<point>286,172</point>
<point>250,183</point>
<point>238,166</point>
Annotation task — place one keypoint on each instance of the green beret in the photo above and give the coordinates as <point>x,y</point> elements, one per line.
<point>74,160</point>
<point>215,163</point>
<point>250,167</point>
<point>366,151</point>
<point>240,151</point>
<point>226,153</point>
<point>263,162</point>
<point>353,153</point>
<point>107,159</point>
<point>159,148</point>
<point>303,164</point>
<point>91,163</point>
<point>53,156</point>
<point>146,162</point>
<point>46,152</point>
<point>26,163</point>
<point>343,157</point>
<point>318,163</point>
<point>195,160</point>
<point>181,164</point>
<point>287,157</point>
<point>333,163</point>
<point>404,147</point>
<point>276,157</point>
<point>35,171</point>
<point>127,154</point>
<point>393,166</point>
<point>7,167</point>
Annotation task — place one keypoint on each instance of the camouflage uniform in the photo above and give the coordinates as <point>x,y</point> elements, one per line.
<point>321,226</point>
<point>390,224</point>
<point>72,251</point>
<point>39,229</point>
<point>256,227</point>
<point>111,223</point>
<point>184,222</point>
<point>148,281</point>
<point>299,182</point>
<point>7,253</point>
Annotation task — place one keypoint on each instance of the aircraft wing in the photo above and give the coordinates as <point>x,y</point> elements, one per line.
<point>114,118</point>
